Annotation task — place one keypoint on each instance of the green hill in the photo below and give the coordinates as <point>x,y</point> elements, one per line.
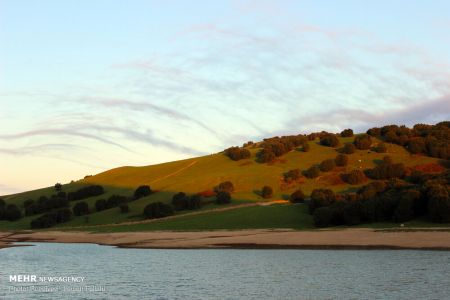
<point>202,174</point>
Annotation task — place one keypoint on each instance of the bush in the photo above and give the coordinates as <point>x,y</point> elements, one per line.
<point>44,204</point>
<point>195,201</point>
<point>58,187</point>
<point>50,219</point>
<point>226,186</point>
<point>363,142</point>
<point>297,197</point>
<point>341,160</point>
<point>223,198</point>
<point>354,177</point>
<point>349,148</point>
<point>265,155</point>
<point>158,210</point>
<point>329,140</point>
<point>115,200</point>
<point>12,213</point>
<point>267,192</point>
<point>312,172</point>
<point>86,192</point>
<point>237,153</point>
<point>63,215</point>
<point>80,208</point>
<point>375,132</point>
<point>327,165</point>
<point>380,148</point>
<point>45,221</point>
<point>347,133</point>
<point>292,175</point>
<point>124,208</point>
<point>100,205</point>
<point>387,171</point>
<point>180,201</point>
<point>142,191</point>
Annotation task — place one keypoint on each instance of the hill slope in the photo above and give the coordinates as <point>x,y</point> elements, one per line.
<point>202,174</point>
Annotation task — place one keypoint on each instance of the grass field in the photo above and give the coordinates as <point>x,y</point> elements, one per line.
<point>255,217</point>
<point>203,173</point>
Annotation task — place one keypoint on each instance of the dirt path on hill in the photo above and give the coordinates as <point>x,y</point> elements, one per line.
<point>174,173</point>
<point>186,214</point>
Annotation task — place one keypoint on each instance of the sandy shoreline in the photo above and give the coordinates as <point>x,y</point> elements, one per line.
<point>358,238</point>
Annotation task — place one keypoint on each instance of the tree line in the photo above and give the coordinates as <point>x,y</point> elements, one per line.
<point>393,200</point>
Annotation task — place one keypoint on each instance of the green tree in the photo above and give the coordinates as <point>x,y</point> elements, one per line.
<point>298,196</point>
<point>267,192</point>
<point>223,197</point>
<point>80,209</point>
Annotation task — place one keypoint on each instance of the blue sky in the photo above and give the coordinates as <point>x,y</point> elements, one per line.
<point>86,86</point>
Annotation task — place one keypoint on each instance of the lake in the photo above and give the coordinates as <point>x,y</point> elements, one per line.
<point>87,271</point>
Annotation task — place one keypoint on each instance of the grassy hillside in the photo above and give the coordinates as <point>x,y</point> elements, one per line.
<point>203,173</point>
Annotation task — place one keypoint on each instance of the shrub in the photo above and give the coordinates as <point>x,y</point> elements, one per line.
<point>142,191</point>
<point>354,177</point>
<point>226,186</point>
<point>362,142</point>
<point>223,197</point>
<point>195,201</point>
<point>50,219</point>
<point>100,205</point>
<point>80,208</point>
<point>158,210</point>
<point>292,175</point>
<point>58,187</point>
<point>297,197</point>
<point>341,160</point>
<point>329,140</point>
<point>124,208</point>
<point>386,171</point>
<point>115,200</point>
<point>44,221</point>
<point>312,172</point>
<point>237,153</point>
<point>349,148</point>
<point>267,192</point>
<point>347,133</point>
<point>327,165</point>
<point>12,213</point>
<point>380,148</point>
<point>375,132</point>
<point>180,201</point>
<point>86,192</point>
<point>265,155</point>
<point>63,215</point>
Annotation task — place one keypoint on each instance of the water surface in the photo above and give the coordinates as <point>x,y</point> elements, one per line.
<point>114,273</point>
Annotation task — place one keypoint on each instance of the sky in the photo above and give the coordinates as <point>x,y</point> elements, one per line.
<point>90,85</point>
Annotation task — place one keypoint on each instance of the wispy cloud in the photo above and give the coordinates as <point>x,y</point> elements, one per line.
<point>59,132</point>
